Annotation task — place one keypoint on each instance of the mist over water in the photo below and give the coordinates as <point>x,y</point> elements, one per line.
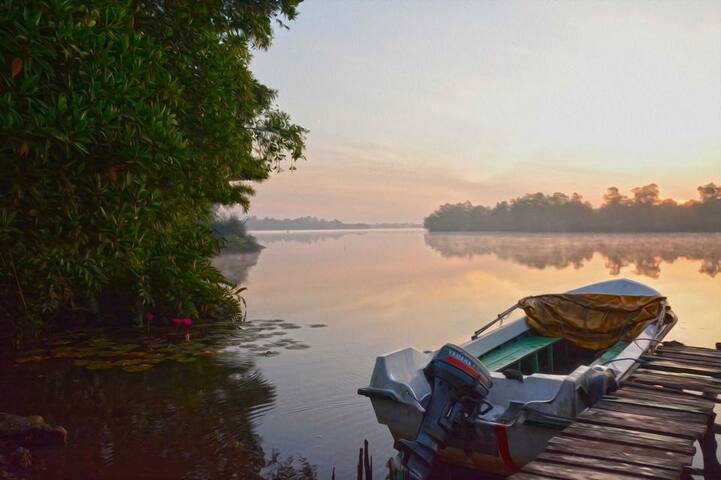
<point>644,254</point>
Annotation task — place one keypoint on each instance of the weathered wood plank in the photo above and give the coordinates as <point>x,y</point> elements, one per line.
<point>630,437</point>
<point>683,357</point>
<point>682,375</point>
<point>698,351</point>
<point>529,476</point>
<point>566,472</point>
<point>642,423</point>
<point>657,411</point>
<point>610,464</point>
<point>676,345</point>
<point>626,453</point>
<point>668,406</point>
<point>682,367</point>
<point>664,396</point>
<point>629,385</point>
<point>666,380</point>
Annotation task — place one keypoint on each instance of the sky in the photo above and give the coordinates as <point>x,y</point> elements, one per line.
<point>412,104</point>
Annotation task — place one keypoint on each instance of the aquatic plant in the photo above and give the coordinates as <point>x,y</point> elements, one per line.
<point>124,349</point>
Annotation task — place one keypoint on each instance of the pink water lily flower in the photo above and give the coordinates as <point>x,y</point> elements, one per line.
<point>185,322</point>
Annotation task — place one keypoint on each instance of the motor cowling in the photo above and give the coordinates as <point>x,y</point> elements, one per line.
<point>460,384</point>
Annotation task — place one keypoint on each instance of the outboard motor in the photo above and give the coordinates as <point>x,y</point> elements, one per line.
<point>460,384</point>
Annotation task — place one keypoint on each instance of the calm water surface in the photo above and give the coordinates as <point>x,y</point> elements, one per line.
<point>355,294</point>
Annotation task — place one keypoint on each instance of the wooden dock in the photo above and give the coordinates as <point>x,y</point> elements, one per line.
<point>647,429</point>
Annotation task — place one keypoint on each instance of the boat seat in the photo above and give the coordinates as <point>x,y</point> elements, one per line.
<point>513,352</point>
<point>611,353</point>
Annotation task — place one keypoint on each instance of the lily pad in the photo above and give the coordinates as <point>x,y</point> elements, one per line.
<point>137,368</point>
<point>32,358</point>
<point>288,326</point>
<point>99,365</point>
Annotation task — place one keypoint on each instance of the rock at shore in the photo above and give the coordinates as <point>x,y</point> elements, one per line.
<point>17,433</point>
<point>30,431</point>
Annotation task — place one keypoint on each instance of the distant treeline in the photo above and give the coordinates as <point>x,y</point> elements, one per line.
<point>644,211</point>
<point>313,223</point>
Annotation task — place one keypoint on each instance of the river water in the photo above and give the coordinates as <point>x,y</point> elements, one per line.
<point>348,296</point>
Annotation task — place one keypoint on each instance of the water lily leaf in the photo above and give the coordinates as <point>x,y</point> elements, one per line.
<point>129,362</point>
<point>32,358</point>
<point>99,365</point>
<point>64,353</point>
<point>137,368</point>
<point>36,351</point>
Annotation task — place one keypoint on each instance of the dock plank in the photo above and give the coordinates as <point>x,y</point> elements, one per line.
<point>684,357</point>
<point>629,437</point>
<point>568,472</point>
<point>648,392</point>
<point>530,476</point>
<point>651,387</point>
<point>699,351</point>
<point>642,423</point>
<point>701,377</point>
<point>657,410</point>
<point>681,383</point>
<point>630,454</point>
<point>610,465</point>
<point>682,367</point>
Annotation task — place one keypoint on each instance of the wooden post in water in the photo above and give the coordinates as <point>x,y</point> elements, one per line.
<point>366,462</point>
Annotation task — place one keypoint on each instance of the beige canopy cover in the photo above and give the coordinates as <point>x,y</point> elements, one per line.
<point>591,320</point>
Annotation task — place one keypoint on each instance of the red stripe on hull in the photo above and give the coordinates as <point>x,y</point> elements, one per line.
<point>503,451</point>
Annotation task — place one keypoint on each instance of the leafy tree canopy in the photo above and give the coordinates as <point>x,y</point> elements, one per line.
<point>123,124</point>
<point>645,211</point>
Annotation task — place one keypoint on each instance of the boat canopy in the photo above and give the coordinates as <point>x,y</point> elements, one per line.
<point>592,320</point>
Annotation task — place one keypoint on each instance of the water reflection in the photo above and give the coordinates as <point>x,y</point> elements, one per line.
<point>193,421</point>
<point>235,266</point>
<point>644,252</point>
<point>305,236</point>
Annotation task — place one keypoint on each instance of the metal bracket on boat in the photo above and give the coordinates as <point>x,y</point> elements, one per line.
<point>500,317</point>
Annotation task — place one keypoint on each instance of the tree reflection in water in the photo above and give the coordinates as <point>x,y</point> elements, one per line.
<point>193,421</point>
<point>644,252</point>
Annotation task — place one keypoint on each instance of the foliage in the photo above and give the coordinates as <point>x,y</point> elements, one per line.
<point>646,211</point>
<point>234,236</point>
<point>123,124</point>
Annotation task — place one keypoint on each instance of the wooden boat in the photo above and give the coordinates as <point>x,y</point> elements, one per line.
<point>545,367</point>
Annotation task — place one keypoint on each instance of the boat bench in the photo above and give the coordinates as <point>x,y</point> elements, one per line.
<point>611,353</point>
<point>514,352</point>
